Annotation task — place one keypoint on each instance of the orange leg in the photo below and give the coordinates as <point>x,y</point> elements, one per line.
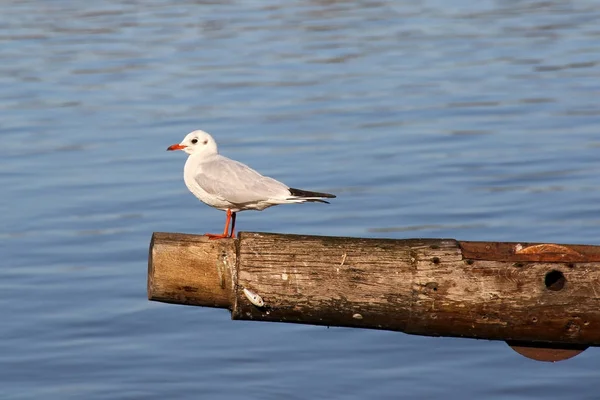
<point>225,231</point>
<point>232,225</point>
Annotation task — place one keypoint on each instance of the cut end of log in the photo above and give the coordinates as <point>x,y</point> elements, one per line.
<point>150,283</point>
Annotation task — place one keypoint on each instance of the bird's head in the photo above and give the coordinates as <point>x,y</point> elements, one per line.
<point>197,142</point>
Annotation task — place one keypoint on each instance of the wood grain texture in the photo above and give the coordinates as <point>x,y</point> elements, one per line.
<point>191,269</point>
<point>507,301</point>
<point>419,286</point>
<point>325,280</point>
<point>513,251</point>
<point>423,287</point>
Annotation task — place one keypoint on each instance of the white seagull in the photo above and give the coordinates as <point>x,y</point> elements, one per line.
<point>230,185</point>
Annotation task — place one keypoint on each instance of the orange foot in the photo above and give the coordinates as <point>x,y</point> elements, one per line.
<point>225,235</point>
<point>213,236</point>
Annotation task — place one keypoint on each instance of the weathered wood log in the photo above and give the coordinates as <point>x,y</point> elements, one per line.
<point>192,270</point>
<point>524,293</point>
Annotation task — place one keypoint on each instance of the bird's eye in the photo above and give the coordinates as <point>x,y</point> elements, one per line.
<point>194,141</point>
<point>205,141</point>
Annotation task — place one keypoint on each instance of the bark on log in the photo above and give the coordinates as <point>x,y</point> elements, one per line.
<point>436,287</point>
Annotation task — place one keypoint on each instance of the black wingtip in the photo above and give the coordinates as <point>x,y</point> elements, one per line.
<point>306,193</point>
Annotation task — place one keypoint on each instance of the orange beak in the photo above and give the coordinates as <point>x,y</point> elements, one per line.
<point>176,147</point>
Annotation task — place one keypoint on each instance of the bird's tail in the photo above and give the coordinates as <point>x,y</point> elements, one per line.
<point>305,195</point>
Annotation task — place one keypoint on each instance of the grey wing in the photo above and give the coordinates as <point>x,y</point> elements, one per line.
<point>237,183</point>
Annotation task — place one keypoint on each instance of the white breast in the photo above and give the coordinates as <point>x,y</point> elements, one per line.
<point>189,173</point>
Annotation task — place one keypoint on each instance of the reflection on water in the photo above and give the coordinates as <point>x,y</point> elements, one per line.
<point>477,121</point>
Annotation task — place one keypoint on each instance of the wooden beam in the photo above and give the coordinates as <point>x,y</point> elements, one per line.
<point>521,293</point>
<point>190,269</point>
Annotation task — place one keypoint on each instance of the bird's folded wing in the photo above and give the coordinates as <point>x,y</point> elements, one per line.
<point>237,183</point>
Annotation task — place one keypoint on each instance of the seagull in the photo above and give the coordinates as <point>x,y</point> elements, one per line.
<point>231,186</point>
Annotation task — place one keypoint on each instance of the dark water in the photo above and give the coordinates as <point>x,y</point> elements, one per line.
<point>478,121</point>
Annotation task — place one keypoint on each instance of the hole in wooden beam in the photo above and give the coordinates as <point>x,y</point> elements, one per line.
<point>555,280</point>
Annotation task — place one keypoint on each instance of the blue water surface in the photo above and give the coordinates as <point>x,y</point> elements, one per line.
<point>469,120</point>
